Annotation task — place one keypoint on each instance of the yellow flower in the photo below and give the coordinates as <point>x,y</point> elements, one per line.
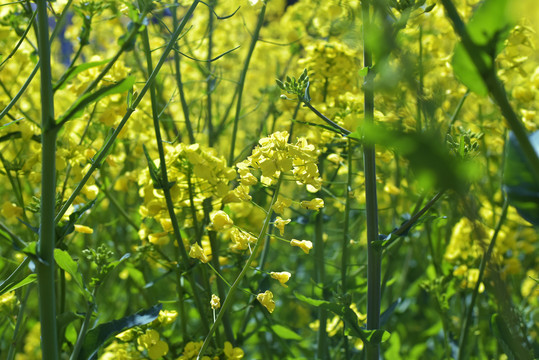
<point>231,352</point>
<point>196,252</point>
<point>220,221</point>
<point>215,302</point>
<point>167,316</point>
<point>280,204</point>
<point>241,239</point>
<point>266,299</point>
<point>314,204</point>
<point>305,245</point>
<point>83,229</point>
<point>155,346</point>
<point>280,223</point>
<point>282,277</point>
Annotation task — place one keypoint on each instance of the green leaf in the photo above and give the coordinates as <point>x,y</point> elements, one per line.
<point>488,29</point>
<point>310,301</point>
<point>96,337</point>
<point>10,123</point>
<point>285,333</point>
<point>519,182</point>
<point>80,104</point>
<point>80,68</point>
<point>27,280</point>
<point>66,263</point>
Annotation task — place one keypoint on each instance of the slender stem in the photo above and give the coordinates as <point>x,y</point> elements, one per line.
<point>484,261</point>
<point>210,81</point>
<point>45,248</point>
<point>20,319</point>
<point>320,278</point>
<point>494,86</point>
<point>374,256</point>
<point>229,298</point>
<point>107,146</point>
<point>166,186</point>
<point>83,330</point>
<point>179,82</point>
<point>327,120</point>
<point>241,81</point>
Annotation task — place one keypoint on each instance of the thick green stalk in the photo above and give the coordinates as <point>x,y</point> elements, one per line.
<point>106,147</point>
<point>241,81</point>
<point>229,298</point>
<point>45,264</point>
<point>374,256</point>
<point>166,187</point>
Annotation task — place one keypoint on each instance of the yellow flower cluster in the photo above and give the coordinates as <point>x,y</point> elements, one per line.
<point>275,155</point>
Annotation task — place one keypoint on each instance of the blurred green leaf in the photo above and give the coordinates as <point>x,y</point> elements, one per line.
<point>488,28</point>
<point>27,280</point>
<point>519,183</point>
<point>80,68</point>
<point>80,104</point>
<point>96,337</point>
<point>285,333</point>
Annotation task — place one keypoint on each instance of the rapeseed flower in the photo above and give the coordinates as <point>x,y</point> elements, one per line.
<point>266,299</point>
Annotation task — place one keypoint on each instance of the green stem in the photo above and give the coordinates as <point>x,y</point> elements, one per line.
<point>210,81</point>
<point>241,81</point>
<point>320,278</point>
<point>484,261</point>
<point>229,298</point>
<point>494,86</point>
<point>166,186</point>
<point>107,146</point>
<point>45,249</point>
<point>83,330</point>
<point>20,319</point>
<point>23,36</point>
<point>179,82</point>
<point>374,256</point>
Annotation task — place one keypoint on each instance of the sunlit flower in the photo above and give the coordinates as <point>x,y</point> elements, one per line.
<point>314,204</point>
<point>232,353</point>
<point>305,245</point>
<point>220,221</point>
<point>280,223</point>
<point>266,299</point>
<point>155,346</point>
<point>282,277</point>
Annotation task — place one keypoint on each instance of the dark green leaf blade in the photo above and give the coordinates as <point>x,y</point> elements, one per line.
<point>519,183</point>
<point>96,337</point>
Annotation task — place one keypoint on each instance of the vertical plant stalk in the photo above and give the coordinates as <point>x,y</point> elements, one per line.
<point>322,348</point>
<point>229,297</point>
<point>210,81</point>
<point>179,83</point>
<point>166,186</point>
<point>374,256</point>
<point>484,261</point>
<point>241,82</point>
<point>45,264</point>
